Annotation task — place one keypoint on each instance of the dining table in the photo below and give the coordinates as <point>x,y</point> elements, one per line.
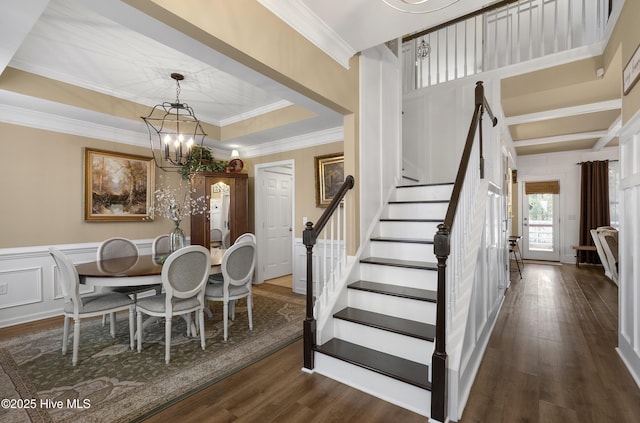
<point>128,271</point>
<point>125,271</point>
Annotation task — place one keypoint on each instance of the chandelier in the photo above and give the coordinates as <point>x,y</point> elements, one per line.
<point>423,49</point>
<point>174,131</point>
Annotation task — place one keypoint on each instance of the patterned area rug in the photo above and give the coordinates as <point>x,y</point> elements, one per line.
<point>111,383</point>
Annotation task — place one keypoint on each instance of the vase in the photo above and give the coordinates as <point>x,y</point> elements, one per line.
<point>176,238</point>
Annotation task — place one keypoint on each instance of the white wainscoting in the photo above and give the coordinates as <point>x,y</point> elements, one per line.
<point>29,289</point>
<point>629,248</point>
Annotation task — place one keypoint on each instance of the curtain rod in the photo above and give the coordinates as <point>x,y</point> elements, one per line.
<point>615,160</point>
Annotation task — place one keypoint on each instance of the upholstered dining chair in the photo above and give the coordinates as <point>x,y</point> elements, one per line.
<point>238,264</point>
<point>118,247</point>
<point>218,278</point>
<point>77,307</point>
<point>160,246</point>
<point>184,277</point>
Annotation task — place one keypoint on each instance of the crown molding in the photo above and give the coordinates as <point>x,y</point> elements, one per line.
<point>55,123</point>
<point>295,143</point>
<point>299,17</point>
<point>255,112</point>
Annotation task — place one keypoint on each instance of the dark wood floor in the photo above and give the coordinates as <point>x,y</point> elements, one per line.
<point>551,358</point>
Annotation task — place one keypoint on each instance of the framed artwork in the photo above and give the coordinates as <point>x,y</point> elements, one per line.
<point>329,171</point>
<point>631,72</point>
<point>117,187</point>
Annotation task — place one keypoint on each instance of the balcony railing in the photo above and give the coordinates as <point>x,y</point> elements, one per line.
<point>513,33</point>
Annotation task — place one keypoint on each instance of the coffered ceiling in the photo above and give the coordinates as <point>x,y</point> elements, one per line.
<point>110,49</point>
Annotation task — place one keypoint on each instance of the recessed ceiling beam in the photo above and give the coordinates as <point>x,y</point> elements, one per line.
<point>560,138</point>
<point>564,112</point>
<point>613,131</point>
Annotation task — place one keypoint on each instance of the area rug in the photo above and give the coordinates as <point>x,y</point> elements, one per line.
<point>111,383</point>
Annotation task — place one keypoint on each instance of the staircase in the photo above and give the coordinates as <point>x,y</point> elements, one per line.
<point>384,336</point>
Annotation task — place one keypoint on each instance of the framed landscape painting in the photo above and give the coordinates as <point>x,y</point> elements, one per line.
<point>329,177</point>
<point>118,187</point>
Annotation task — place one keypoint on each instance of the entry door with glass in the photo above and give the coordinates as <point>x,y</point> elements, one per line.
<point>540,220</point>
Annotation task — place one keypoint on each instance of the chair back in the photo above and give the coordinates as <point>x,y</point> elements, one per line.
<point>215,234</point>
<point>238,263</point>
<point>117,247</point>
<point>69,279</point>
<point>246,237</point>
<point>185,273</point>
<point>160,246</point>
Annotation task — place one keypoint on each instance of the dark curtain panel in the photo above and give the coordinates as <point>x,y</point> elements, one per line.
<point>594,205</point>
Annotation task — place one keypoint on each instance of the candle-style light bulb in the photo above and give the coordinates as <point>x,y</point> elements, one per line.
<point>189,146</point>
<point>167,140</point>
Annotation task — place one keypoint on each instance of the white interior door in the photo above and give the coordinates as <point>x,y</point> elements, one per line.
<point>540,224</point>
<point>277,222</point>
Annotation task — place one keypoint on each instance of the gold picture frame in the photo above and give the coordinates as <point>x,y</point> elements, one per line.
<point>329,170</point>
<point>117,187</point>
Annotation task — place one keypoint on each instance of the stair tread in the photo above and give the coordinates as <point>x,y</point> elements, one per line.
<point>399,325</point>
<point>425,185</point>
<point>405,240</point>
<point>395,290</point>
<point>410,220</point>
<point>389,365</point>
<point>400,263</point>
<point>419,201</point>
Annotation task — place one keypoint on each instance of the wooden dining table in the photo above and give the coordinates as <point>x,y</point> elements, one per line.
<point>125,271</point>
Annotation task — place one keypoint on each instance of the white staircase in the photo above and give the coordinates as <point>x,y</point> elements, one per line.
<point>383,339</point>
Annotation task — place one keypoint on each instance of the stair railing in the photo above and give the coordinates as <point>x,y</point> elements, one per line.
<point>451,244</point>
<point>333,261</point>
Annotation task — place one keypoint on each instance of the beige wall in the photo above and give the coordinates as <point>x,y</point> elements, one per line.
<point>626,36</point>
<point>305,200</point>
<point>42,191</point>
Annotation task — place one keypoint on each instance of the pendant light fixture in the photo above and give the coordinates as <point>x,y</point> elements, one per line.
<point>174,131</point>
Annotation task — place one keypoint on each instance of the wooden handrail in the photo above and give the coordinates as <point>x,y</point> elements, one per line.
<point>309,238</point>
<point>442,249</point>
<point>462,18</point>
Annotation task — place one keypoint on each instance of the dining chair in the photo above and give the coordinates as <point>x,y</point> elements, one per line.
<point>160,246</point>
<point>218,278</point>
<point>184,277</point>
<point>77,307</point>
<point>118,247</point>
<point>238,264</point>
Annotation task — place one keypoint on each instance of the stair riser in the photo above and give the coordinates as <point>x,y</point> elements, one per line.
<point>434,192</point>
<point>413,349</point>
<point>411,230</point>
<point>416,211</point>
<point>403,251</point>
<point>399,393</point>
<point>400,276</point>
<point>405,308</point>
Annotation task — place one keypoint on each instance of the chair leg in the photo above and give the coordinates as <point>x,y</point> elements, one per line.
<point>139,325</point>
<point>232,309</point>
<point>76,340</point>
<point>131,327</point>
<point>65,335</point>
<point>225,318</point>
<point>249,311</point>
<point>167,340</point>
<point>190,332</point>
<point>112,324</point>
<point>202,339</point>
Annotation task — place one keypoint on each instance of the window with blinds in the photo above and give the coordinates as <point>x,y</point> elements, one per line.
<point>542,187</point>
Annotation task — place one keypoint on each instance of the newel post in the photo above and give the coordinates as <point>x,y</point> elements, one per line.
<point>441,248</point>
<point>309,326</point>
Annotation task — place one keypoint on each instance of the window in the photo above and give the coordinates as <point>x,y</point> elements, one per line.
<point>614,193</point>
